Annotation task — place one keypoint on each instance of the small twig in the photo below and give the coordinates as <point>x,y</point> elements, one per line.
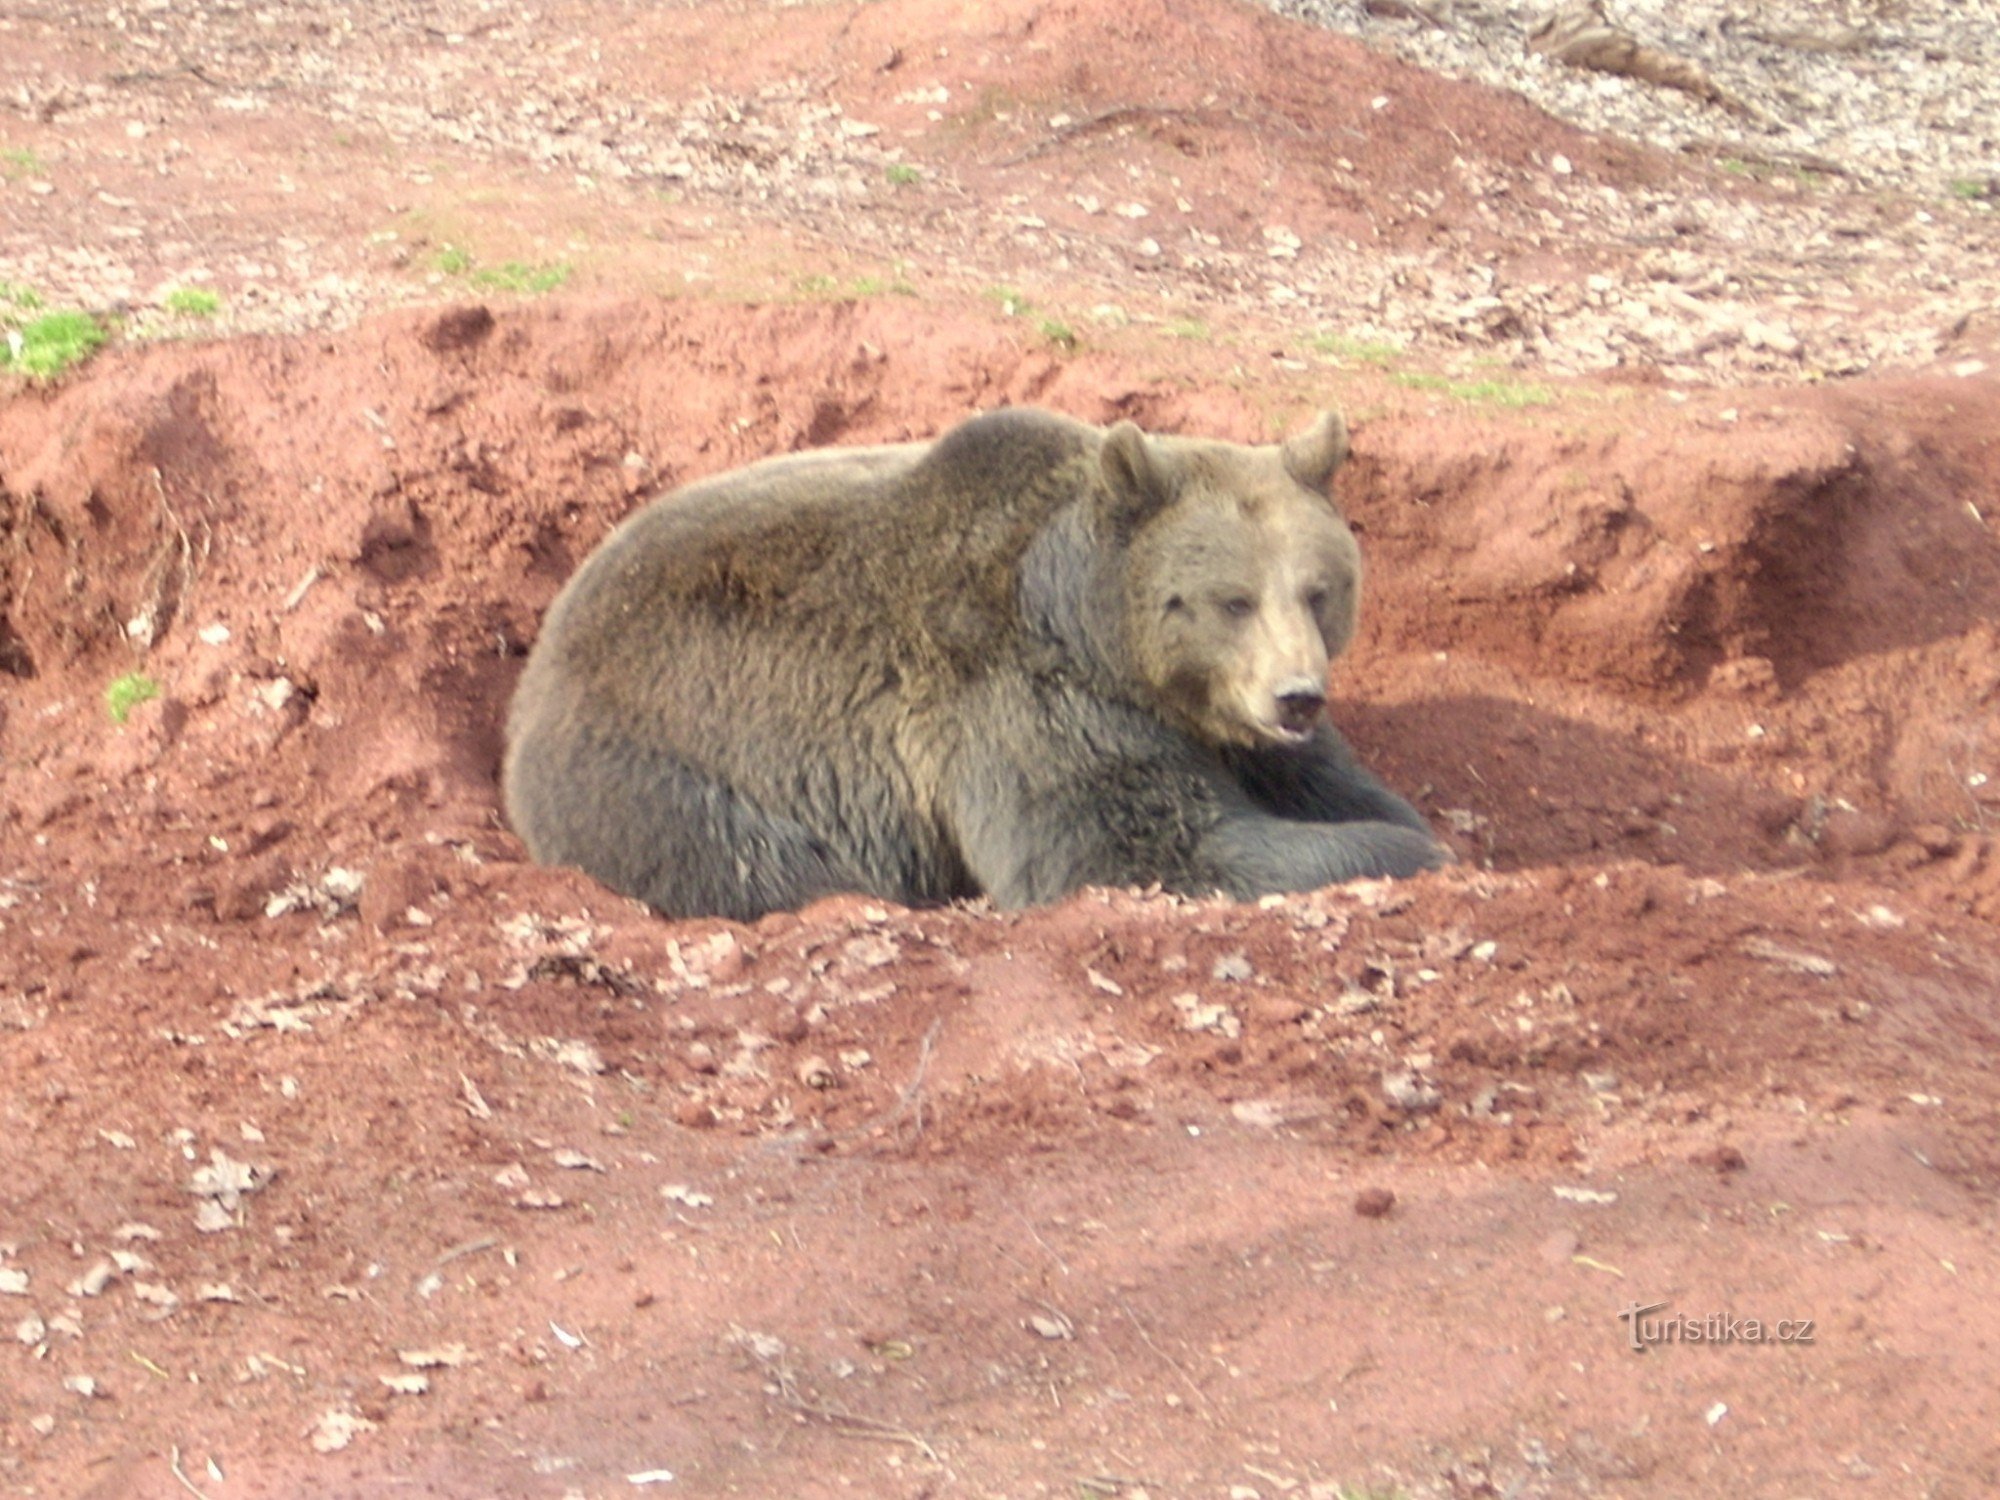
<point>1035,1234</point>
<point>911,1096</point>
<point>851,1422</point>
<point>470,1247</point>
<point>1165,1358</point>
<point>1756,156</point>
<point>174,1465</point>
<point>1115,1484</point>
<point>1123,114</point>
<point>299,589</point>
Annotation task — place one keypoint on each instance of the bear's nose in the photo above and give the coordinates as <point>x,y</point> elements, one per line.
<point>1300,707</point>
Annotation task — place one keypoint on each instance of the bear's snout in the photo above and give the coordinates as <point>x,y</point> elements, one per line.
<point>1299,707</point>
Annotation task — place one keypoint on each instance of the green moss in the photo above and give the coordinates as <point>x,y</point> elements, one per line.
<point>127,693</point>
<point>902,174</point>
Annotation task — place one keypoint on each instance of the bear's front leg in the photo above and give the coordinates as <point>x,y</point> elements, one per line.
<point>1320,782</point>
<point>1252,853</point>
<point>1174,817</point>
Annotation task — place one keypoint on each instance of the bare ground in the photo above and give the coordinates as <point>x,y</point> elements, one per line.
<point>312,1081</point>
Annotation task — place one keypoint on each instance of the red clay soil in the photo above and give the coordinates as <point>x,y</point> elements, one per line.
<point>313,1085</point>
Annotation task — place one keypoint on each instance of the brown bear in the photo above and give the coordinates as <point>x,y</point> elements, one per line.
<point>1029,656</point>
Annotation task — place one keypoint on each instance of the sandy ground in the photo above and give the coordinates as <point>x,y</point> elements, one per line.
<point>342,1152</point>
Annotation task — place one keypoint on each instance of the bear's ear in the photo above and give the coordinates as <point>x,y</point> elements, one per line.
<point>1135,483</point>
<point>1314,454</point>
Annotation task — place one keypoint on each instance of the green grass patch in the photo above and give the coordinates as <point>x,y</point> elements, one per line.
<point>1010,302</point>
<point>1973,189</point>
<point>858,288</point>
<point>19,161</point>
<point>1492,392</point>
<point>194,302</point>
<point>1013,304</point>
<point>46,346</point>
<point>1191,329</point>
<point>902,174</point>
<point>12,294</point>
<point>127,693</point>
<point>519,276</point>
<point>875,286</point>
<point>1355,351</point>
<point>1057,332</point>
<point>526,278</point>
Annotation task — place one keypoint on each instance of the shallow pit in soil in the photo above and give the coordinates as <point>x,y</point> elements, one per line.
<point>956,1201</point>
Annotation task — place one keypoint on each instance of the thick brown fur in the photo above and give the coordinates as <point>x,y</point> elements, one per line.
<point>1029,656</point>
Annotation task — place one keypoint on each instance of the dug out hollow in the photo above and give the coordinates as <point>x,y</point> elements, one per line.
<point>1614,627</point>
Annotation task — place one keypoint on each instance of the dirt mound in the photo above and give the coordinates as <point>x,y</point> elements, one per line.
<point>1696,692</point>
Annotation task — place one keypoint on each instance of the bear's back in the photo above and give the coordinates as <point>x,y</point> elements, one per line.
<point>914,546</point>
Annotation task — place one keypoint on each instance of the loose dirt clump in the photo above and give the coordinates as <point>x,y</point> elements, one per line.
<point>345,1152</point>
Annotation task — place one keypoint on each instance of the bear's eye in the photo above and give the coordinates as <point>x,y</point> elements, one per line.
<point>1316,600</point>
<point>1175,604</point>
<point>1239,606</point>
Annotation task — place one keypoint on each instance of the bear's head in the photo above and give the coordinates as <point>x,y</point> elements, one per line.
<point>1240,580</point>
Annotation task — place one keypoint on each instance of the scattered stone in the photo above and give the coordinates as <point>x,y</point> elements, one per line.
<point>1233,967</point>
<point>443,1356</point>
<point>222,1185</point>
<point>336,1429</point>
<point>1724,1159</point>
<point>1202,1015</point>
<point>1408,1090</point>
<point>1790,958</point>
<point>1584,1195</point>
<point>1374,1202</point>
<point>816,1073</point>
<point>93,1281</point>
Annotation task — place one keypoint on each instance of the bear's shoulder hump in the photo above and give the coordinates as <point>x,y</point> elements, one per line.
<point>1014,437</point>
